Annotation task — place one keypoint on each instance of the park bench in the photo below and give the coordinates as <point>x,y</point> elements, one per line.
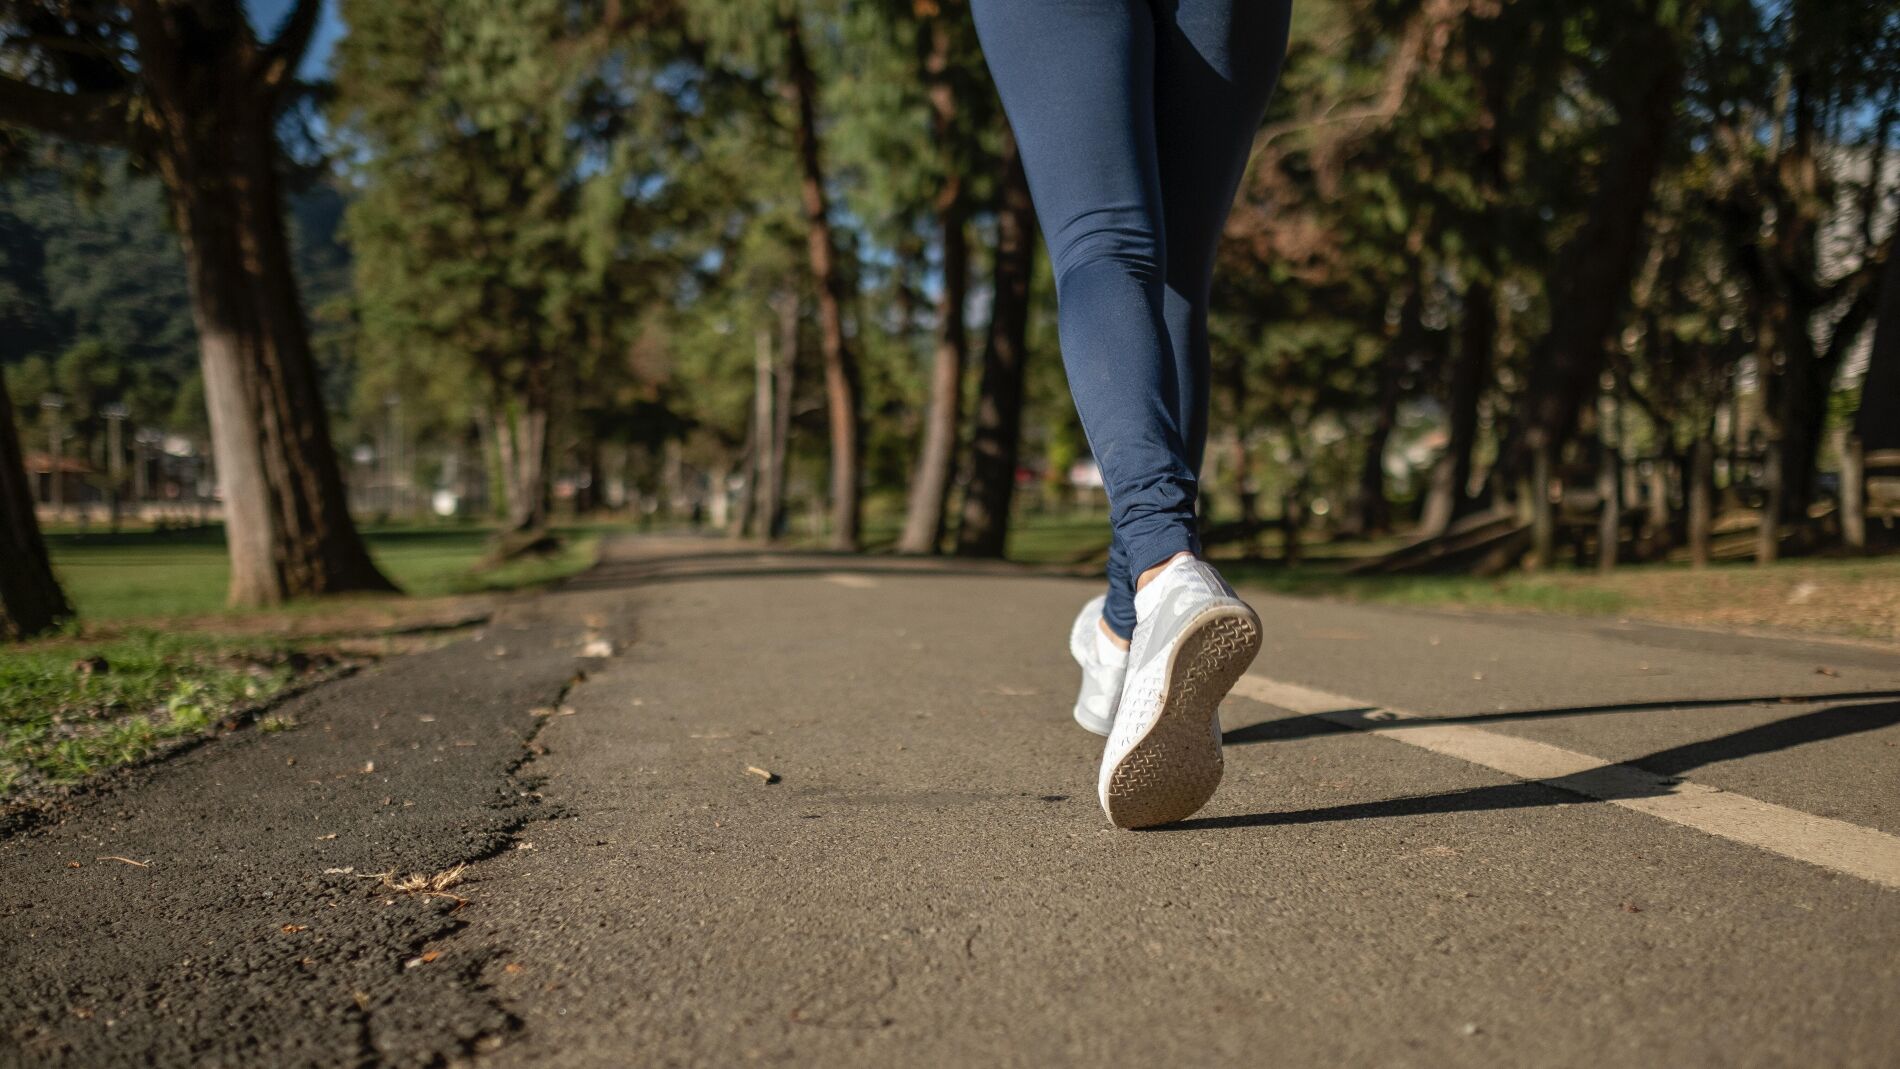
<point>1870,490</point>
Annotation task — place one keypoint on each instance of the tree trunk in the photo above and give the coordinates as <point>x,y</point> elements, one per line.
<point>772,507</point>
<point>996,439</point>
<point>287,520</point>
<point>1853,493</point>
<point>30,598</point>
<point>841,371</point>
<point>1656,522</point>
<point>1292,522</point>
<point>930,483</point>
<point>1543,519</point>
<point>1793,371</point>
<point>1450,495</point>
<point>1371,513</point>
<point>1774,498</point>
<point>1590,278</point>
<point>1701,495</point>
<point>521,439</point>
<point>1610,514</point>
<point>1806,373</point>
<point>1877,423</point>
<point>747,470</point>
<point>285,513</point>
<point>762,491</point>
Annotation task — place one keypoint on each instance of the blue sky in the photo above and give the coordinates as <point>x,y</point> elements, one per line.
<point>266,15</point>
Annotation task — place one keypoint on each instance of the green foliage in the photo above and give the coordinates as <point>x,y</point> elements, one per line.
<point>94,301</point>
<point>146,575</point>
<point>60,722</point>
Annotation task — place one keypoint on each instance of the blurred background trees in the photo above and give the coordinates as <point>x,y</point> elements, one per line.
<point>1509,282</point>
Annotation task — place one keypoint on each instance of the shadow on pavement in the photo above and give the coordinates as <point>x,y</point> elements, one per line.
<point>1830,723</point>
<point>1288,728</point>
<point>636,570</point>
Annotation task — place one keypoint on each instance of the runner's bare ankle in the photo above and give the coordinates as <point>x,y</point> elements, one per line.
<point>1149,575</point>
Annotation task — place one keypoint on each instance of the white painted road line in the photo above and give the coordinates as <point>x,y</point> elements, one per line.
<point>1835,845</point>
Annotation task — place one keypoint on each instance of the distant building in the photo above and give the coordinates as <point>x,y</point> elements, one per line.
<point>75,480</point>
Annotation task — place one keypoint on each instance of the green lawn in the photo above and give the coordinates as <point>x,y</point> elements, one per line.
<point>60,722</point>
<point>1850,597</point>
<point>94,698</point>
<point>141,575</point>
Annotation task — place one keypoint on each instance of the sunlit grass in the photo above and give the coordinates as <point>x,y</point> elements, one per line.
<point>71,708</point>
<point>92,699</point>
<point>144,575</point>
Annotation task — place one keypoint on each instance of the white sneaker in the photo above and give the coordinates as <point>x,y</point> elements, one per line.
<point>1193,639</point>
<point>1102,672</point>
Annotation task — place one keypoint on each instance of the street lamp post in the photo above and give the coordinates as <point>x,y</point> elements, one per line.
<point>146,439</point>
<point>115,414</point>
<point>50,405</point>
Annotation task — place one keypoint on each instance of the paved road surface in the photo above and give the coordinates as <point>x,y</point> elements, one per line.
<point>1441,840</point>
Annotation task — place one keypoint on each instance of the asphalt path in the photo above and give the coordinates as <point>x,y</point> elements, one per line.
<point>828,810</point>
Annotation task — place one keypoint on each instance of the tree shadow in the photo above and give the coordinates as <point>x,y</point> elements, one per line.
<point>753,563</point>
<point>1655,773</point>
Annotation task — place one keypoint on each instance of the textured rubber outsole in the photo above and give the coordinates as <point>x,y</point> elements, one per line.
<point>1171,772</point>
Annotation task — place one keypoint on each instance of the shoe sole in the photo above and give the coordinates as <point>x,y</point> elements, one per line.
<point>1172,770</point>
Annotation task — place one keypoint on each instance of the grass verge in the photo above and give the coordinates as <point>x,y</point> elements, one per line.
<point>72,708</point>
<point>149,575</point>
<point>1856,598</point>
<point>156,657</point>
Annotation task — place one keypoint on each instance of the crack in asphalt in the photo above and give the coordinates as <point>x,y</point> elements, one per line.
<point>251,938</point>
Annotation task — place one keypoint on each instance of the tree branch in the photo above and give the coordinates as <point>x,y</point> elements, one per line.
<point>94,118</point>
<point>277,67</point>
<point>1422,45</point>
<point>1854,319</point>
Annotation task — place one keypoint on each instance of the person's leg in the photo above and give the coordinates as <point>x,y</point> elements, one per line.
<point>1077,80</point>
<point>1216,64</point>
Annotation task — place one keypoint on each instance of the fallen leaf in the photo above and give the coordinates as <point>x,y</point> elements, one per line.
<point>72,864</point>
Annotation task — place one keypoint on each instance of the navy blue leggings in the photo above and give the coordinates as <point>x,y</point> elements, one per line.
<point>1135,118</point>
